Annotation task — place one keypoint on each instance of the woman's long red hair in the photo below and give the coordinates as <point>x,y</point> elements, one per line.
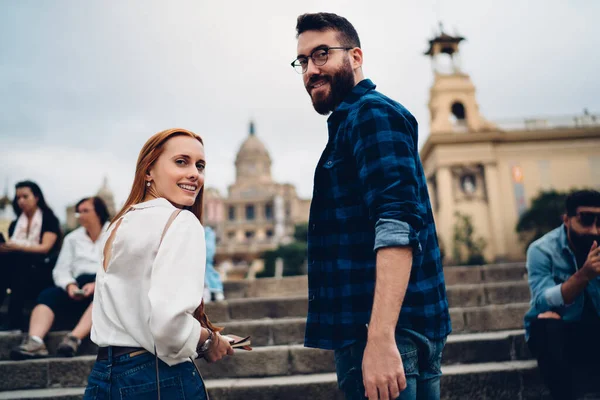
<point>150,152</point>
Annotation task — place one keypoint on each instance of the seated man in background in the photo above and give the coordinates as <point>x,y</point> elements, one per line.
<point>563,324</point>
<point>74,277</point>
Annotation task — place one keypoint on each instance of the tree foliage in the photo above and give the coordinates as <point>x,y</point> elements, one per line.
<point>292,254</point>
<point>545,214</point>
<point>467,249</point>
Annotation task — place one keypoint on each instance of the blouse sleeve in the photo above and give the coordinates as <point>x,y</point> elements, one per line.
<point>50,224</point>
<point>176,286</point>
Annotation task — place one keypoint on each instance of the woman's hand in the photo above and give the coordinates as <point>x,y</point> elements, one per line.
<point>89,289</point>
<point>9,247</point>
<point>218,349</point>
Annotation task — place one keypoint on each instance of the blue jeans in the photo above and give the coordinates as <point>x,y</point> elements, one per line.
<point>134,378</point>
<point>422,359</point>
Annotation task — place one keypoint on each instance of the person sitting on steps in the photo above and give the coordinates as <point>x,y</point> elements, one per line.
<point>74,276</point>
<point>563,324</point>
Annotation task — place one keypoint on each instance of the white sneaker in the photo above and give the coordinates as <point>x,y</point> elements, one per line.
<point>219,296</point>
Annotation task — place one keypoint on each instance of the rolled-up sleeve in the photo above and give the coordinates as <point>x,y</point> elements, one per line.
<point>384,147</point>
<point>176,287</point>
<point>546,295</point>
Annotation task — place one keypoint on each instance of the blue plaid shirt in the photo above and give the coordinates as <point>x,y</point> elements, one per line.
<point>370,192</point>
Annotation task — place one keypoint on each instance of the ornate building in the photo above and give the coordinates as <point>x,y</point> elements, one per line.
<point>104,193</point>
<point>6,213</point>
<point>257,215</point>
<point>491,171</point>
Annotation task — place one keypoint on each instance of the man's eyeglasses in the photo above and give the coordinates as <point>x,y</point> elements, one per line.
<point>319,58</point>
<point>588,218</point>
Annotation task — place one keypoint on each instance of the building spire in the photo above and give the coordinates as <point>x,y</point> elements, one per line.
<point>251,128</point>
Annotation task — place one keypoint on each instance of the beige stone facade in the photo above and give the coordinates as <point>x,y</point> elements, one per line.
<point>491,171</point>
<point>257,215</point>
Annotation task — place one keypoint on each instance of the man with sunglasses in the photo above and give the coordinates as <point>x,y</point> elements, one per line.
<point>563,324</point>
<point>377,295</point>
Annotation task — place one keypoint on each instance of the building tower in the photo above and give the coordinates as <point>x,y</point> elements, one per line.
<point>452,103</point>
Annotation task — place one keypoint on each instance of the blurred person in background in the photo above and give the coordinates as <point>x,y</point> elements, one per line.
<point>74,276</point>
<point>562,326</point>
<point>214,286</point>
<point>28,257</point>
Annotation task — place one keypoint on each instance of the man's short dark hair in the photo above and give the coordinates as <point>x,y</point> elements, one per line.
<point>582,198</point>
<point>327,21</point>
<point>99,207</point>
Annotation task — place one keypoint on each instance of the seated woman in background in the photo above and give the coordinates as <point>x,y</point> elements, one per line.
<point>74,276</point>
<point>27,258</point>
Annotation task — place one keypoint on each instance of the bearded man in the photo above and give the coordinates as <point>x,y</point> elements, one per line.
<point>377,295</point>
<point>563,324</point>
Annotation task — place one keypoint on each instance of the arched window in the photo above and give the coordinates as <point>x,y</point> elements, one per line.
<point>458,110</point>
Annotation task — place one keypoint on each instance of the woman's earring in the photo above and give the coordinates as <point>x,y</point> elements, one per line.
<point>148,183</point>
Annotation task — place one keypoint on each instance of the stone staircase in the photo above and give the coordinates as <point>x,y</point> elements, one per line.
<point>486,357</point>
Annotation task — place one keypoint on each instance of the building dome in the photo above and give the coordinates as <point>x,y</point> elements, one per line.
<point>252,148</point>
<point>107,195</point>
<point>253,161</point>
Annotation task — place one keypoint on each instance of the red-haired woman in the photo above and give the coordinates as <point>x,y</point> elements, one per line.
<point>150,286</point>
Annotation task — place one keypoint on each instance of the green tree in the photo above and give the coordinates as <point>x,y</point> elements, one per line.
<point>467,249</point>
<point>545,214</point>
<point>292,254</point>
<point>301,232</point>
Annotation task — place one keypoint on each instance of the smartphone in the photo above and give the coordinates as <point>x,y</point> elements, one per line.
<point>2,239</point>
<point>80,292</point>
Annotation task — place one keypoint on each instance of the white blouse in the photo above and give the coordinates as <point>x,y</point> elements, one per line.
<point>148,294</point>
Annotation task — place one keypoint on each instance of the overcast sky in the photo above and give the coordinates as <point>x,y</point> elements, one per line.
<point>83,84</point>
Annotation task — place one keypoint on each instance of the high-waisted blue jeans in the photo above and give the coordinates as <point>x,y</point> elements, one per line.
<point>134,378</point>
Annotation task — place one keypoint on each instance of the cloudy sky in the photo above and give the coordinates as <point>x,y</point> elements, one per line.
<point>84,84</point>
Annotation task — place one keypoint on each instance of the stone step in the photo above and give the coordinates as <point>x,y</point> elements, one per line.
<point>298,285</point>
<point>287,331</point>
<point>498,381</point>
<point>485,273</point>
<point>483,294</point>
<point>262,361</point>
<point>463,295</point>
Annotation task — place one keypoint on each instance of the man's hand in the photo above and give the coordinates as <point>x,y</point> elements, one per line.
<point>549,315</point>
<point>591,267</point>
<point>72,289</point>
<point>383,372</point>
<point>89,288</point>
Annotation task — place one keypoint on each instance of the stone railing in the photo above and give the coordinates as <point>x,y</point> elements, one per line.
<point>585,120</point>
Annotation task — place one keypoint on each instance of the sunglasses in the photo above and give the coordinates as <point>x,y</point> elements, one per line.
<point>588,219</point>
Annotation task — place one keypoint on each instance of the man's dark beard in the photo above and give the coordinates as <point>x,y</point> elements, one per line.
<point>582,243</point>
<point>340,85</point>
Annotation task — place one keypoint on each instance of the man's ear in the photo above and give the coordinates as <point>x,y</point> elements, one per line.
<point>565,218</point>
<point>356,57</point>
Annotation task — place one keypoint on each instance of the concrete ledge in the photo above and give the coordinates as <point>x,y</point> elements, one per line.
<point>296,286</point>
<point>261,362</point>
<point>267,287</point>
<point>483,294</point>
<point>485,273</point>
<point>504,380</point>
<point>495,317</point>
